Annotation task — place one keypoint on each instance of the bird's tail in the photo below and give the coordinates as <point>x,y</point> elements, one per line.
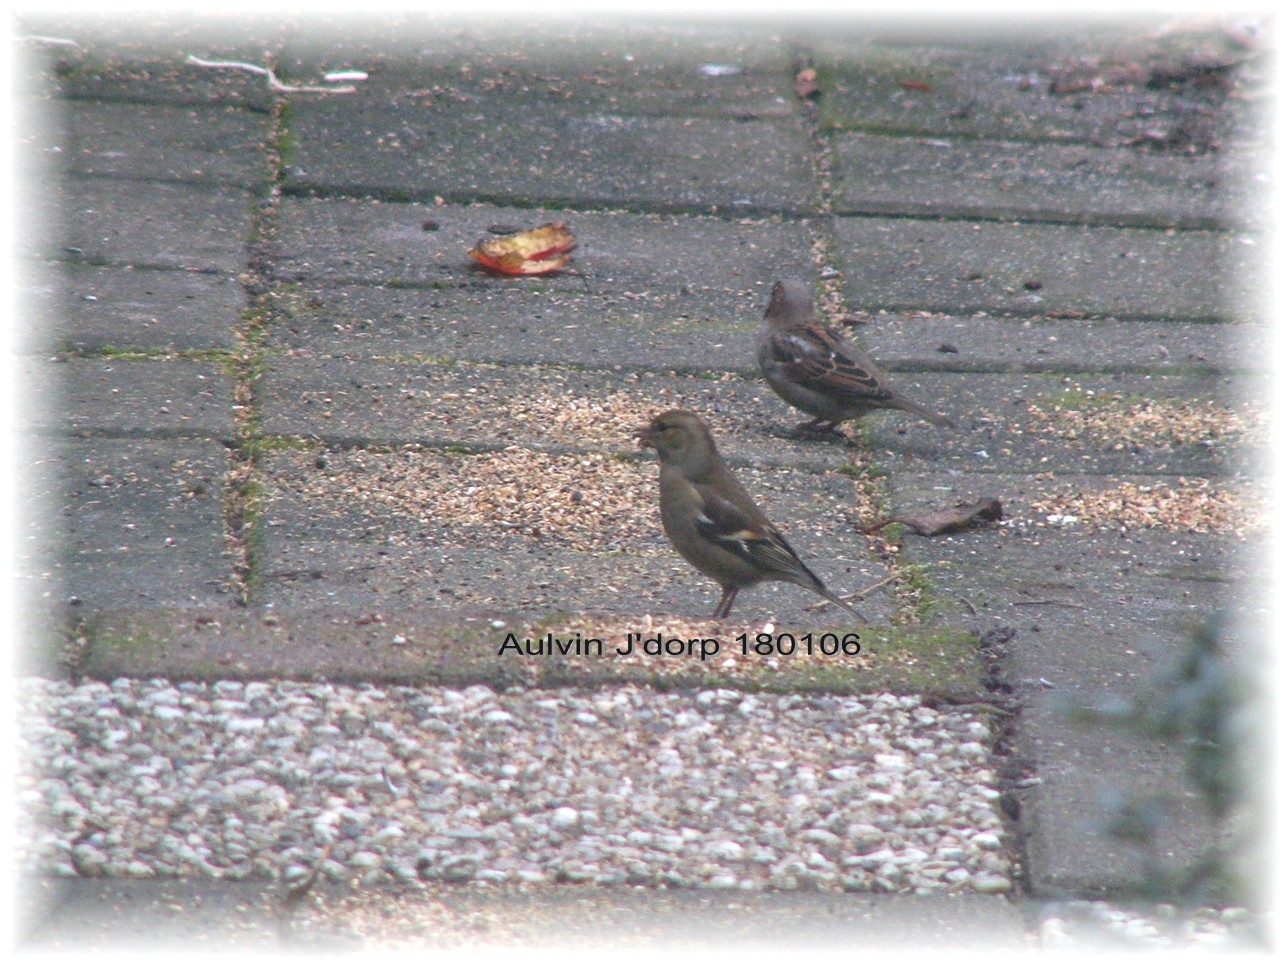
<point>916,409</point>
<point>823,591</point>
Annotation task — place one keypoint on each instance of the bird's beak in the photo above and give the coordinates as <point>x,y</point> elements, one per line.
<point>644,434</point>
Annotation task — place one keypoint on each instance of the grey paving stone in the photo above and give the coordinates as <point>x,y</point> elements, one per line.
<point>717,330</point>
<point>1093,614</point>
<point>1021,269</point>
<point>516,148</point>
<point>362,552</point>
<point>723,70</point>
<point>659,328</point>
<point>162,397</point>
<point>1095,610</point>
<point>998,434</point>
<point>141,57</point>
<point>336,242</point>
<point>355,401</point>
<point>389,402</point>
<point>80,914</point>
<point>218,145</point>
<point>993,81</point>
<point>615,53</point>
<point>1082,771</point>
<point>126,523</point>
<point>92,307</point>
<point>157,225</point>
<point>1037,344</point>
<point>1076,184</point>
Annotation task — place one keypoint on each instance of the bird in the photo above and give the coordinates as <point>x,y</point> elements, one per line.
<point>712,521</point>
<point>818,370</point>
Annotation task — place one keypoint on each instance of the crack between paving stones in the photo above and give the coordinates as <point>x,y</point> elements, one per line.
<point>569,204</point>
<point>910,582</point>
<point>244,491</point>
<point>824,249</point>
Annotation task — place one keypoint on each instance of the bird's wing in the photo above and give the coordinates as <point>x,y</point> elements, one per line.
<point>758,543</point>
<point>819,359</point>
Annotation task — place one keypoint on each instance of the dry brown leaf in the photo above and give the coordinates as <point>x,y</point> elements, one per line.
<point>949,520</point>
<point>806,83</point>
<point>535,252</point>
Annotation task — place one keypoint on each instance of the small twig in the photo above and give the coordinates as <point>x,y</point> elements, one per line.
<point>878,584</point>
<point>581,275</point>
<point>856,595</point>
<point>1056,603</point>
<point>273,83</point>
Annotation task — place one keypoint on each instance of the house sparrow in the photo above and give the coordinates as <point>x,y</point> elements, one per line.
<point>712,521</point>
<point>817,370</point>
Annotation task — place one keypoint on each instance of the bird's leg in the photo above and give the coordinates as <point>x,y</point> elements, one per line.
<point>725,603</point>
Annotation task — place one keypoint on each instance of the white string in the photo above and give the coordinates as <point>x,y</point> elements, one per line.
<point>273,82</point>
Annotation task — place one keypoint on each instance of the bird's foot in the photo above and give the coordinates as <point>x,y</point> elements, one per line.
<point>815,429</point>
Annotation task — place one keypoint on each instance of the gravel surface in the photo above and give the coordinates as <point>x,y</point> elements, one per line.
<point>713,789</point>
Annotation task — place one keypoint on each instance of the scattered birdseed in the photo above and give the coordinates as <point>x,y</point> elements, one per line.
<point>590,501</point>
<point>1118,421</point>
<point>556,407</point>
<point>1192,505</point>
<point>565,418</point>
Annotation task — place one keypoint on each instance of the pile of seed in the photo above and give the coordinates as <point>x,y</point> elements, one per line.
<point>714,788</point>
<point>1116,421</point>
<point>1187,504</point>
<point>554,405</point>
<point>590,501</point>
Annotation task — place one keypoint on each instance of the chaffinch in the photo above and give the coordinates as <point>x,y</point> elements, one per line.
<point>819,371</point>
<point>712,521</point>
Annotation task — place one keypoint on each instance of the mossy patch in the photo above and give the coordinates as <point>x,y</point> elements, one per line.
<point>451,649</point>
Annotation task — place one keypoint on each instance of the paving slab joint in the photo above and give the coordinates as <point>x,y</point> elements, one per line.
<point>245,491</point>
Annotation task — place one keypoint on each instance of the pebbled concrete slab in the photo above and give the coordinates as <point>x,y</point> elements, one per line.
<point>130,396</point>
<point>334,241</point>
<point>89,308</point>
<point>1025,269</point>
<point>1074,184</point>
